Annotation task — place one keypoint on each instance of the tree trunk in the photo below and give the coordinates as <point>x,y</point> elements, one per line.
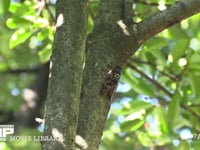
<point>65,74</point>
<point>114,39</point>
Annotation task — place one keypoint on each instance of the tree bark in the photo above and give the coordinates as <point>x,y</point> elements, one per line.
<point>65,74</point>
<point>165,19</point>
<point>113,40</point>
<point>106,48</point>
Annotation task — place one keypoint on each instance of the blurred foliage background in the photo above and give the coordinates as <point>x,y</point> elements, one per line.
<point>156,106</point>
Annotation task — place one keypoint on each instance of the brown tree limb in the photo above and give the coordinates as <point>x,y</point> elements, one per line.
<point>167,18</point>
<point>104,46</point>
<point>159,86</point>
<point>111,43</point>
<point>61,114</point>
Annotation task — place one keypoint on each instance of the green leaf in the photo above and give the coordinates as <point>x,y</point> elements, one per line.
<point>14,23</point>
<point>156,43</point>
<point>183,146</point>
<point>132,125</point>
<point>195,144</point>
<point>94,6</point>
<point>159,56</point>
<point>38,22</point>
<point>194,68</point>
<point>45,53</point>
<point>19,36</point>
<point>138,84</point>
<point>3,66</point>
<point>43,34</point>
<point>4,146</point>
<point>195,82</point>
<point>135,106</point>
<point>154,47</point>
<point>174,109</point>
<point>182,122</point>
<point>145,139</point>
<point>22,9</point>
<point>179,48</point>
<point>195,58</point>
<point>160,119</point>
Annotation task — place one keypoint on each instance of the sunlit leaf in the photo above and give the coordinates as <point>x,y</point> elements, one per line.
<point>14,23</point>
<point>183,146</point>
<point>3,66</point>
<point>156,43</point>
<point>19,36</point>
<point>179,48</point>
<point>132,125</point>
<point>182,122</point>
<point>135,106</point>
<point>195,82</point>
<point>138,84</point>
<point>22,9</point>
<point>195,58</point>
<point>145,139</point>
<point>174,109</point>
<point>43,34</point>
<point>159,57</point>
<point>160,118</point>
<point>45,53</point>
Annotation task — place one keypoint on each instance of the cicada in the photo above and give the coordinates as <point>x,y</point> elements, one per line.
<point>110,82</point>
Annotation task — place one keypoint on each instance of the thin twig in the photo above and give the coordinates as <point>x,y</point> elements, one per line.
<point>171,76</point>
<point>159,86</point>
<point>19,71</point>
<point>49,11</point>
<point>190,110</point>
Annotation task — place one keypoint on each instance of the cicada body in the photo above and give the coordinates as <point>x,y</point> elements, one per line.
<point>110,82</point>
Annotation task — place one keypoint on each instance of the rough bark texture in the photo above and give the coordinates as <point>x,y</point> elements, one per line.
<point>106,48</point>
<point>65,74</point>
<point>111,43</point>
<point>164,19</point>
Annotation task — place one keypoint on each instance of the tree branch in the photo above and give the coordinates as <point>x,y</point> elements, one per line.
<point>159,86</point>
<point>46,4</point>
<point>18,71</point>
<point>104,46</point>
<point>190,111</point>
<point>61,114</point>
<point>171,76</point>
<point>164,19</point>
<point>111,43</point>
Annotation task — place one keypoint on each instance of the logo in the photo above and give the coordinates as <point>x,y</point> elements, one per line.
<point>5,130</point>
